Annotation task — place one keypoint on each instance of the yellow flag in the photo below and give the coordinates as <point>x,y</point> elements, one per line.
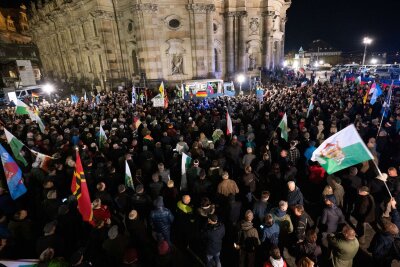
<point>162,89</point>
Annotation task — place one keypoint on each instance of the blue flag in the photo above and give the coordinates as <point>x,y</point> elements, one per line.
<point>13,174</point>
<point>74,99</point>
<point>377,92</point>
<point>386,105</point>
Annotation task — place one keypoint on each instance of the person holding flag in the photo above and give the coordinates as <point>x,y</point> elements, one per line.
<point>80,190</point>
<point>128,176</point>
<point>102,137</point>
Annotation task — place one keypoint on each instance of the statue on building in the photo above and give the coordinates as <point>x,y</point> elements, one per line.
<point>177,64</point>
<point>252,62</point>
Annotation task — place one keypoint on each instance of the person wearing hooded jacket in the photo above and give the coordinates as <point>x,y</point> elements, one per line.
<point>248,241</point>
<point>161,219</point>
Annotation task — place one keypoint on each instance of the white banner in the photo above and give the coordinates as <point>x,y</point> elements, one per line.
<point>158,101</point>
<point>26,74</point>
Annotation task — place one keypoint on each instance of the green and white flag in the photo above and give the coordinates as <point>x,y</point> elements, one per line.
<point>128,176</point>
<point>35,117</point>
<point>102,137</point>
<point>186,160</point>
<point>284,128</point>
<point>16,146</point>
<point>342,150</point>
<point>21,108</point>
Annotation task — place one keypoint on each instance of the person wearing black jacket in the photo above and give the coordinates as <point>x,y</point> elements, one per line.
<point>301,221</point>
<point>213,235</point>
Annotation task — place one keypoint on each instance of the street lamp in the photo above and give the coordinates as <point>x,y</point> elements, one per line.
<point>366,41</point>
<point>374,61</point>
<point>48,89</point>
<point>240,79</point>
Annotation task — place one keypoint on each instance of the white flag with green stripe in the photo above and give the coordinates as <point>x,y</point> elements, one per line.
<point>284,128</point>
<point>186,160</point>
<point>21,108</point>
<point>102,137</point>
<point>342,150</point>
<point>128,176</point>
<point>16,146</point>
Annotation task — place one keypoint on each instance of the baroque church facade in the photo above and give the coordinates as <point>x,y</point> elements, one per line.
<point>172,40</point>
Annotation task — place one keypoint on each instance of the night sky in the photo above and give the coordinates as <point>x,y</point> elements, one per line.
<point>341,23</point>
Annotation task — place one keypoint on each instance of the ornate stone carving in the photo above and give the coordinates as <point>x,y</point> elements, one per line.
<point>197,8</point>
<point>146,8</point>
<point>235,14</point>
<point>177,64</point>
<point>254,26</point>
<point>268,13</point>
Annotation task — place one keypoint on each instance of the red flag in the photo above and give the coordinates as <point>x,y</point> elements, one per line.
<point>80,191</point>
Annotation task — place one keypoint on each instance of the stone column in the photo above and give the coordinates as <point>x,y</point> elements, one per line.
<point>243,34</point>
<point>229,43</point>
<point>267,41</point>
<point>210,41</point>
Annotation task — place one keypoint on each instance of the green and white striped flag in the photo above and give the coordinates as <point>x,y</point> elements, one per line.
<point>128,176</point>
<point>35,117</point>
<point>186,160</point>
<point>21,108</point>
<point>342,150</point>
<point>284,128</point>
<point>102,137</point>
<point>16,146</point>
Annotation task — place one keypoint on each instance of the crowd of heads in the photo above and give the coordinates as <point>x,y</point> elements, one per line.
<point>251,182</point>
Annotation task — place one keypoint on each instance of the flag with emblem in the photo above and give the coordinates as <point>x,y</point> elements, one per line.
<point>13,175</point>
<point>128,176</point>
<point>16,146</point>
<point>284,128</point>
<point>342,150</point>
<point>80,191</point>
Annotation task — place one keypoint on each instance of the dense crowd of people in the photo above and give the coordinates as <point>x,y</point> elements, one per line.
<point>247,199</point>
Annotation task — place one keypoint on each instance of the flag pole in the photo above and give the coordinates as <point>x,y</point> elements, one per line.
<point>380,174</point>
<point>384,111</point>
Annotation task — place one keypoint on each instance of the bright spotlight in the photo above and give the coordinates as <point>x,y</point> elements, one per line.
<point>374,61</point>
<point>321,62</point>
<point>241,78</point>
<point>367,40</point>
<point>316,64</point>
<point>48,88</point>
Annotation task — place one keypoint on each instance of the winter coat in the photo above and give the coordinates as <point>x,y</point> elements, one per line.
<point>381,245</point>
<point>249,181</point>
<point>283,220</point>
<point>260,209</point>
<point>214,235</point>
<point>300,225</point>
<point>365,209</point>
<point>338,191</point>
<point>343,251</point>
<point>227,187</point>
<point>270,234</point>
<point>331,218</point>
<point>295,197</point>
<point>248,237</point>
<point>310,250</point>
<point>184,218</point>
<point>161,220</point>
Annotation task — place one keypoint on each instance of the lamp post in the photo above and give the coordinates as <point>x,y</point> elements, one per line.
<point>366,41</point>
<point>240,79</point>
